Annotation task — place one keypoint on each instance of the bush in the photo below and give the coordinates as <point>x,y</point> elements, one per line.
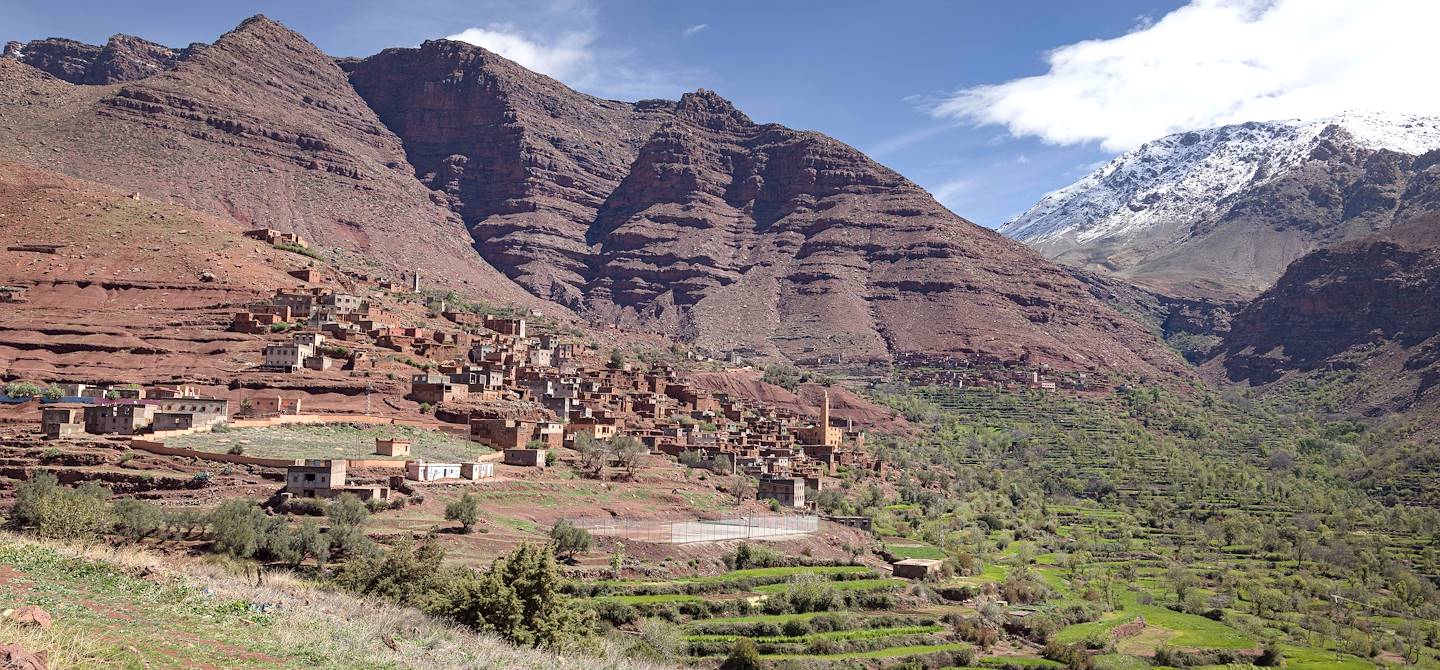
<point>136,520</point>
<point>236,450</point>
<point>754,556</point>
<point>466,510</point>
<point>297,249</point>
<point>23,390</point>
<point>235,527</point>
<point>743,656</point>
<point>519,599</point>
<point>347,514</point>
<point>58,512</point>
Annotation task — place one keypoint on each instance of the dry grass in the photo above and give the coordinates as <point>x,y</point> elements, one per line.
<point>320,628</point>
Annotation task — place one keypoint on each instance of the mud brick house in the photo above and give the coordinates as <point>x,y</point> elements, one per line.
<point>327,479</point>
<point>274,405</point>
<point>121,418</point>
<point>60,421</point>
<point>436,389</point>
<point>788,491</point>
<point>474,471</point>
<point>319,363</point>
<point>299,303</point>
<point>308,275</point>
<point>205,411</point>
<point>528,458</point>
<point>345,303</point>
<point>173,421</point>
<point>172,391</point>
<point>506,325</point>
<point>502,434</point>
<point>292,356</point>
<point>393,446</point>
<point>422,471</point>
<point>272,237</point>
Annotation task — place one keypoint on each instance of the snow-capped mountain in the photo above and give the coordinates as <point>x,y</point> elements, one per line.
<point>1145,203</point>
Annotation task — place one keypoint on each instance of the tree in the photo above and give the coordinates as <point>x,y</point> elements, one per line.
<point>519,599</point>
<point>136,520</point>
<point>617,359</point>
<point>347,516</point>
<point>593,455</point>
<point>743,656</point>
<point>235,527</point>
<point>466,510</point>
<point>742,487</point>
<point>569,539</point>
<point>310,541</point>
<point>629,452</point>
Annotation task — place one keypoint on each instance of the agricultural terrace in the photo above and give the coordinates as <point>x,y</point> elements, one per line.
<point>330,441</point>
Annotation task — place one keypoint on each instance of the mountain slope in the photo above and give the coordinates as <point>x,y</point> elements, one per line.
<point>689,218</point>
<point>1221,212</point>
<point>260,127</point>
<point>683,217</point>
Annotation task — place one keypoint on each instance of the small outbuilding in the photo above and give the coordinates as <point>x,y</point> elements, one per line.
<point>392,447</point>
<point>916,568</point>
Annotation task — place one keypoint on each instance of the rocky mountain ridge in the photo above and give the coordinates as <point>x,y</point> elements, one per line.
<point>1221,212</point>
<point>684,217</point>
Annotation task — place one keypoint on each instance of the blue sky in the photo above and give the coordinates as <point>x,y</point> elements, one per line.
<point>989,105</point>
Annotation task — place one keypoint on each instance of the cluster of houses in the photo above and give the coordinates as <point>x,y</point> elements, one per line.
<point>130,410</point>
<point>329,478</point>
<point>788,453</point>
<point>344,318</point>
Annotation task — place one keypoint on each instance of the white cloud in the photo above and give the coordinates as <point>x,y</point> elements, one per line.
<point>692,30</point>
<point>948,193</point>
<point>1214,62</point>
<point>565,56</point>
<point>569,49</point>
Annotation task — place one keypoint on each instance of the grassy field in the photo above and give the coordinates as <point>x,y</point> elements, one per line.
<point>331,441</point>
<point>189,615</point>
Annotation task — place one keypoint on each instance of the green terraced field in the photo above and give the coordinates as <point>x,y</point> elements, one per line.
<point>889,652</point>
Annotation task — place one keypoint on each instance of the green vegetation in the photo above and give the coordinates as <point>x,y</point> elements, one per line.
<point>333,441</point>
<point>297,249</point>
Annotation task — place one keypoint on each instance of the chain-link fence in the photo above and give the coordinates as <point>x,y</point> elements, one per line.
<point>700,530</point>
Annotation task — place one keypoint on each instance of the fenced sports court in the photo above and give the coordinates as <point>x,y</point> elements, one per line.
<point>701,530</point>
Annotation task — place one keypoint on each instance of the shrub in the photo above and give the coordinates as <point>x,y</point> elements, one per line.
<point>23,390</point>
<point>58,512</point>
<point>743,656</point>
<point>136,520</point>
<point>236,450</point>
<point>297,249</point>
<point>50,454</point>
<point>519,599</point>
<point>347,514</point>
<point>235,527</point>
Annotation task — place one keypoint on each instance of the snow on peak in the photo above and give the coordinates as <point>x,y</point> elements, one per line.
<point>1187,175</point>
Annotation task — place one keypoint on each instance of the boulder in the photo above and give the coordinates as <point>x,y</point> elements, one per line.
<point>30,615</point>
